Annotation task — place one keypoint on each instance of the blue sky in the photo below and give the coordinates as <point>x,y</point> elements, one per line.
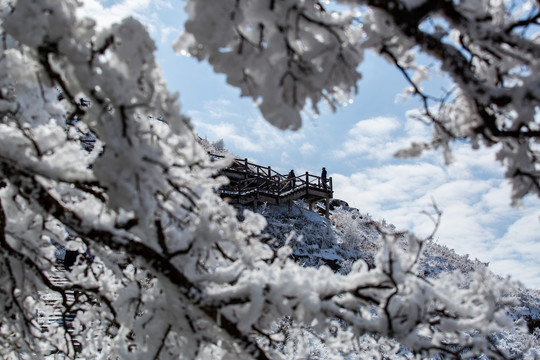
<point>356,145</point>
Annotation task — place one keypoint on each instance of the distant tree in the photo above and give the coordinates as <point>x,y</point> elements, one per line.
<point>175,274</point>
<point>219,145</point>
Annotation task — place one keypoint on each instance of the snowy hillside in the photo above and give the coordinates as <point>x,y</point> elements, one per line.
<point>350,235</point>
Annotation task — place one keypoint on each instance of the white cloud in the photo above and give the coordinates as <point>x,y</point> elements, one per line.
<point>365,136</point>
<point>307,148</point>
<point>107,15</point>
<point>231,136</point>
<point>516,269</point>
<point>146,11</point>
<point>380,138</point>
<point>474,197</point>
<point>218,109</point>
<point>522,240</point>
<point>246,133</point>
<point>379,126</point>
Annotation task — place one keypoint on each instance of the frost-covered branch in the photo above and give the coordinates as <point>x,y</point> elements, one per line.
<point>303,53</point>
<point>165,269</point>
<point>488,49</point>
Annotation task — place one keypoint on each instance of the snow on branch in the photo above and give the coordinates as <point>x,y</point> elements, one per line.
<point>288,54</point>
<point>283,54</point>
<point>162,266</point>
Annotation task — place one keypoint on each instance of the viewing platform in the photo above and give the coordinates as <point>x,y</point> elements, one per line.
<point>250,183</point>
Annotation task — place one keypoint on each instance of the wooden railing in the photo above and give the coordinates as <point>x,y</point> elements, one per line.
<point>247,177</point>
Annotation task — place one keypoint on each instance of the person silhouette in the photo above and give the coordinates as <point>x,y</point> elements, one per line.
<point>292,180</point>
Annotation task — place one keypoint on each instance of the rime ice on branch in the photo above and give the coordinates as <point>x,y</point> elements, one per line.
<point>175,273</point>
<point>287,54</point>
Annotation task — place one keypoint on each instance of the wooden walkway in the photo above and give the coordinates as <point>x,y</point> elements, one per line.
<point>252,184</point>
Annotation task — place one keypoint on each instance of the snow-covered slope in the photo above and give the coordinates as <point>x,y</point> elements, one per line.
<point>350,235</point>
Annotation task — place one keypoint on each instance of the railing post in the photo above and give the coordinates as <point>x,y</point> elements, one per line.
<point>330,181</point>
<point>278,185</point>
<point>307,182</point>
<point>327,205</point>
<point>256,201</point>
<point>258,178</point>
<point>270,178</point>
<point>247,168</point>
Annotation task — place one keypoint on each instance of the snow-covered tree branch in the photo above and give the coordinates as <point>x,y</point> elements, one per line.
<point>286,54</point>
<point>165,269</point>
